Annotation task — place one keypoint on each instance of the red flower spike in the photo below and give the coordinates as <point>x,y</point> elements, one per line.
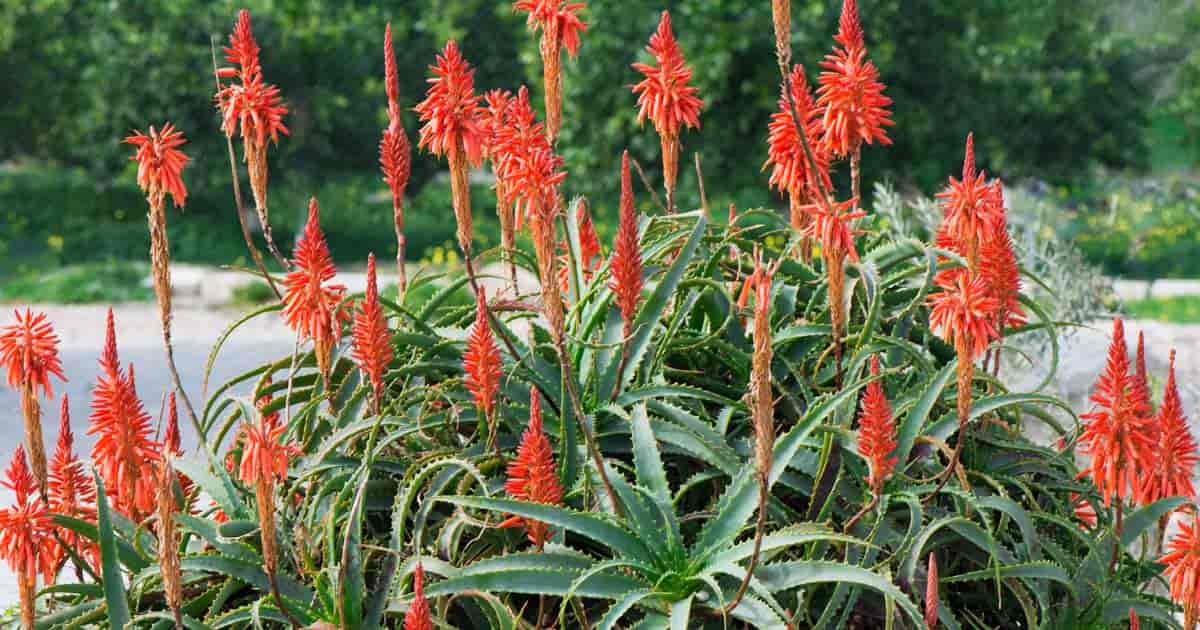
<point>1084,512</point>
<point>963,312</point>
<point>451,110</point>
<point>1183,569</point>
<point>533,187</point>
<point>72,492</point>
<point>25,526</point>
<point>264,455</point>
<point>664,95</point>
<point>589,242</point>
<point>877,432</point>
<point>124,452</point>
<point>251,107</point>
<point>789,165</point>
<point>1141,380</point>
<point>856,111</point>
<point>999,269</point>
<point>931,587</point>
<point>481,360</point>
<point>395,152</point>
<point>172,444</point>
<point>311,306</point>
<point>496,106</point>
<point>555,16</point>
<point>833,229</point>
<point>1174,454</point>
<point>160,163</point>
<point>973,209</point>
<point>110,363</point>
<point>533,475</point>
<point>372,340</point>
<point>418,616</point>
<point>1134,624</point>
<point>1115,431</point>
<point>29,352</point>
<point>626,263</point>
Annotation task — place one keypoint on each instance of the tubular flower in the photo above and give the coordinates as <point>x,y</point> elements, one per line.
<point>832,228</point>
<point>1114,433</point>
<point>1134,623</point>
<point>395,152</point>
<point>418,616</point>
<point>310,306</point>
<point>1141,378</point>
<point>877,432</point>
<point>1084,512</point>
<point>763,406</point>
<point>518,137</point>
<point>29,353</point>
<point>25,534</point>
<point>560,26</point>
<point>264,456</point>
<point>160,164</point>
<point>973,209</point>
<point>372,341</point>
<point>1174,456</point>
<point>482,364</point>
<point>790,169</point>
<point>665,97</point>
<point>626,265</point>
<point>124,452</point>
<point>71,492</point>
<point>454,127</point>
<point>963,313</point>
<point>533,475</point>
<point>931,593</point>
<point>173,447</point>
<point>856,111</point>
<point>535,177</point>
<point>253,108</point>
<point>1183,570</point>
<point>999,269</point>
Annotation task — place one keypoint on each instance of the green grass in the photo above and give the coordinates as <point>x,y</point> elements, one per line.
<point>1168,148</point>
<point>104,282</point>
<point>1183,309</point>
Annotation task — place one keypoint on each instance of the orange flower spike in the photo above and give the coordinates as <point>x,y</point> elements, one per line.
<point>1114,434</point>
<point>1084,512</point>
<point>626,263</point>
<point>533,475</point>
<point>173,446</point>
<point>999,269</point>
<point>1134,623</point>
<point>973,210</point>
<point>160,163</point>
<point>72,492</point>
<point>833,229</point>
<point>790,172</point>
<point>264,455</point>
<point>589,242</point>
<point>372,340</point>
<point>311,306</point>
<point>25,534</point>
<point>1183,570</point>
<point>454,126</point>
<point>29,352</point>
<point>665,97</point>
<point>1174,449</point>
<point>931,593</point>
<point>395,153</point>
<point>850,93</point>
<point>252,107</point>
<point>482,362</point>
<point>963,313</point>
<point>877,432</point>
<point>556,16</point>
<point>418,616</point>
<point>1141,380</point>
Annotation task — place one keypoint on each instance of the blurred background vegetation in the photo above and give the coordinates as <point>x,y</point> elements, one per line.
<point>1092,106</point>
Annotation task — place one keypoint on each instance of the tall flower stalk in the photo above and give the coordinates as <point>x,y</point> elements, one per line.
<point>832,227</point>
<point>160,173</point>
<point>395,155</point>
<point>29,353</point>
<point>252,108</point>
<point>791,172</point>
<point>454,128</point>
<point>559,22</point>
<point>25,535</point>
<point>167,504</point>
<point>665,97</point>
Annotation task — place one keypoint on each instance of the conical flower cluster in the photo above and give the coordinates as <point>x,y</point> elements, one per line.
<point>533,475</point>
<point>877,432</point>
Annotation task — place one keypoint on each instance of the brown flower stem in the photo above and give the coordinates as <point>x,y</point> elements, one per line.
<point>764,495</point>
<point>835,264</point>
<point>551,50</point>
<point>401,245</point>
<point>966,374</point>
<point>168,542</point>
<point>863,512</point>
<point>700,183</point>
<point>508,234</point>
<point>781,17</point>
<point>237,197</point>
<point>646,183</point>
<point>256,165</point>
<point>160,263</point>
<point>27,589</point>
<point>670,158</point>
<point>856,176</point>
<point>264,496</point>
<point>460,192</point>
<point>33,434</point>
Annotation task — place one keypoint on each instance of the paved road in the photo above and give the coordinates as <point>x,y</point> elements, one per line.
<point>81,329</point>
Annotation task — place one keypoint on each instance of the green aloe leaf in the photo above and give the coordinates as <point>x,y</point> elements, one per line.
<point>110,568</point>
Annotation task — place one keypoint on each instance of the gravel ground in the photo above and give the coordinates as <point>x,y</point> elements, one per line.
<point>197,328</point>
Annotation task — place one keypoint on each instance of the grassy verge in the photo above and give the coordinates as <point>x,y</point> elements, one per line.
<point>108,282</point>
<point>1183,309</point>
